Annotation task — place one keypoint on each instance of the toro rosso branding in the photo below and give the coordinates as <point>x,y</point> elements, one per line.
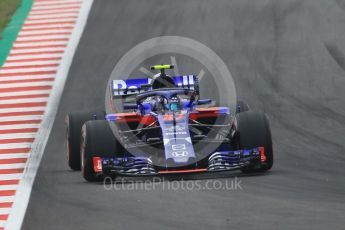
<point>177,141</point>
<point>176,130</point>
<point>134,86</point>
<point>177,133</point>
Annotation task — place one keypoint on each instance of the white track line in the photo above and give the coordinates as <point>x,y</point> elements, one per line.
<point>67,14</point>
<point>36,43</point>
<point>35,32</point>
<point>50,18</point>
<point>23,100</point>
<point>30,68</point>
<point>11,156</point>
<point>33,92</point>
<point>13,176</point>
<point>22,197</point>
<point>11,166</point>
<point>57,19</point>
<point>52,2</point>
<point>26,84</point>
<point>17,127</point>
<point>22,109</point>
<point>51,37</point>
<point>4,80</point>
<point>21,118</point>
<point>50,7</point>
<point>8,187</point>
<point>7,198</point>
<point>54,12</point>
<point>35,54</point>
<point>38,55</point>
<point>24,76</point>
<point>15,145</point>
<point>52,26</point>
<point>17,135</point>
<point>25,70</point>
<point>20,126</point>
<point>2,223</point>
<point>30,63</point>
<point>48,4</point>
<point>45,49</point>
<point>5,210</point>
<point>46,43</point>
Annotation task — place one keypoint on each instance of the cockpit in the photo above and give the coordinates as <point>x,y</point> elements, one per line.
<point>168,100</point>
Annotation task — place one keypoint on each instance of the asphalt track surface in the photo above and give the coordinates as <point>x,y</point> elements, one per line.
<point>287,58</point>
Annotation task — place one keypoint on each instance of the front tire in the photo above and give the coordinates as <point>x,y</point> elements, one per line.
<point>253,130</point>
<point>97,140</point>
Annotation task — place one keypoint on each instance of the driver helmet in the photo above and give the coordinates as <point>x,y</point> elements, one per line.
<point>174,104</point>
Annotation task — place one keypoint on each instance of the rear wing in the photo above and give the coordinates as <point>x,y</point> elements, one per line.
<point>123,88</point>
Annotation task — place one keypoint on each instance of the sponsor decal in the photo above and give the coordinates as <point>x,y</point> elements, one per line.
<point>177,133</point>
<point>180,154</point>
<point>178,147</point>
<point>134,86</point>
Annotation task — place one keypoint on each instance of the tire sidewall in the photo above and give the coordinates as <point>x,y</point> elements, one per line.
<point>253,130</point>
<point>74,123</point>
<point>97,140</point>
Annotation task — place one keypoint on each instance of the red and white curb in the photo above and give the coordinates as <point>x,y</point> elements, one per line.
<point>31,85</point>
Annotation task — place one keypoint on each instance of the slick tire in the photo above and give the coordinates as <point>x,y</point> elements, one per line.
<point>97,140</point>
<point>253,130</point>
<point>74,122</point>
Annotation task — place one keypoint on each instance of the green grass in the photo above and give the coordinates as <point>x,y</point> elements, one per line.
<point>7,9</point>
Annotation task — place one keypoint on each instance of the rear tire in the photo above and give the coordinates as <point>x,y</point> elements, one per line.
<point>97,140</point>
<point>74,122</point>
<point>253,130</point>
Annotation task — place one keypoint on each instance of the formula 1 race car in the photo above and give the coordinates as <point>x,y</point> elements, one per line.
<point>168,129</point>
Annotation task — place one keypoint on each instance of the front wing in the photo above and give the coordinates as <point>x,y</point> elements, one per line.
<point>143,166</point>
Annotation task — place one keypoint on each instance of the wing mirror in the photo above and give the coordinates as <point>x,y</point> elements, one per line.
<point>204,102</point>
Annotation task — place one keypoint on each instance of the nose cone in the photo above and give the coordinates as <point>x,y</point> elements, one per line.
<point>177,141</point>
